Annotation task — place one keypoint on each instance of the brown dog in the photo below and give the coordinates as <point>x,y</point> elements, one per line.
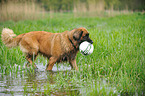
<point>56,47</point>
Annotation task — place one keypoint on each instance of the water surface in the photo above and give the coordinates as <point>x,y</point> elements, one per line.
<point>26,82</point>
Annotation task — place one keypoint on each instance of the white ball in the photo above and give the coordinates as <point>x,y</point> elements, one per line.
<point>86,48</point>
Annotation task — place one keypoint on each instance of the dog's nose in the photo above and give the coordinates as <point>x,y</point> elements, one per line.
<point>90,41</point>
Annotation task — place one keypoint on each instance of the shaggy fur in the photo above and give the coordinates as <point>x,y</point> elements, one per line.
<point>57,47</point>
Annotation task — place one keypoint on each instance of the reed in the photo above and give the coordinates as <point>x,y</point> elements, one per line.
<point>20,10</point>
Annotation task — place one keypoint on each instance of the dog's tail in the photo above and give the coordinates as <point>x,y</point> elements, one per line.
<point>9,38</point>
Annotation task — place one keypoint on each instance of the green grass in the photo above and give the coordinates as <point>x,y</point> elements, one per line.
<point>116,66</point>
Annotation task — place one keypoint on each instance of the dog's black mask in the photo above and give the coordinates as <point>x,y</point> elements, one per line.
<point>81,38</point>
<point>87,38</point>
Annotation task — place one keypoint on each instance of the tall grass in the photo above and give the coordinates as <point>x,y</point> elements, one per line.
<point>93,8</point>
<point>30,10</point>
<point>116,66</point>
<point>20,10</point>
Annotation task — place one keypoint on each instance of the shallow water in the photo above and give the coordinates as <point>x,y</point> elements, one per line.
<point>23,82</point>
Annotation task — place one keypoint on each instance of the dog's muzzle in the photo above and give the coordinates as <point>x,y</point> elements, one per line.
<point>90,41</point>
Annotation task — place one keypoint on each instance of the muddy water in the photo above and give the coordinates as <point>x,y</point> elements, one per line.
<point>32,83</point>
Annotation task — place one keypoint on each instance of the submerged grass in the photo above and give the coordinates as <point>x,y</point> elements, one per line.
<point>116,66</point>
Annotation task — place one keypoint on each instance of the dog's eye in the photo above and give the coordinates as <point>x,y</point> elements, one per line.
<point>87,35</point>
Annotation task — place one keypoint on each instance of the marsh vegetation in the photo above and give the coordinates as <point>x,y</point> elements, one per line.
<point>116,67</point>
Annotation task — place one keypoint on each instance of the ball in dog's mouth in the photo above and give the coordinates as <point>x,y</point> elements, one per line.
<point>86,48</point>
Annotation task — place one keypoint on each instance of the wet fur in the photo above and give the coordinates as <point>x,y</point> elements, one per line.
<point>57,47</point>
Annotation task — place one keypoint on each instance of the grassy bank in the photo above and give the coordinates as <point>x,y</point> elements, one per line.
<point>115,67</point>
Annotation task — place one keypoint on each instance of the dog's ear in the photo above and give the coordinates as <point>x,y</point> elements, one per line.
<point>77,34</point>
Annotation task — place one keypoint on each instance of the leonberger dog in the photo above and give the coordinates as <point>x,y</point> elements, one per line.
<point>57,47</point>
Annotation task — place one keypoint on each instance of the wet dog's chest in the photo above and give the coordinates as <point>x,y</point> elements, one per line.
<point>67,56</point>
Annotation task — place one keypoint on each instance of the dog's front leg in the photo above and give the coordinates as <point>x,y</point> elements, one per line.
<point>51,62</point>
<point>73,64</point>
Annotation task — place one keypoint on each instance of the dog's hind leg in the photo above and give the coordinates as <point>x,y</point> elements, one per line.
<point>30,48</point>
<point>31,56</point>
<point>31,59</point>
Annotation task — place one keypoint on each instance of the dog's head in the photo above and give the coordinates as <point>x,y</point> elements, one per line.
<point>78,35</point>
<point>81,34</point>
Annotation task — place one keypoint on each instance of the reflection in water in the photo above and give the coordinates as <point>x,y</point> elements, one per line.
<point>30,82</point>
